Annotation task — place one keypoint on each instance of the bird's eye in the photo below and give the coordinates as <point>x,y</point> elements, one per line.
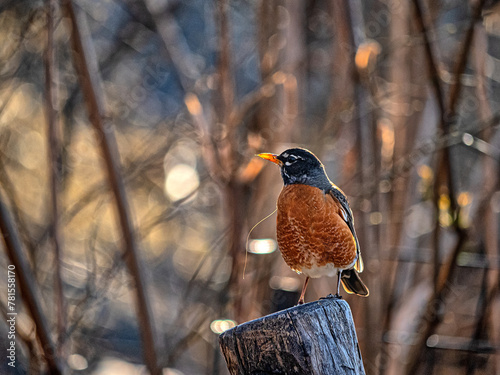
<point>290,160</point>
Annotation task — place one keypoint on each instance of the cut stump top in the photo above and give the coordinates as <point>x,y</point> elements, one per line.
<point>315,338</point>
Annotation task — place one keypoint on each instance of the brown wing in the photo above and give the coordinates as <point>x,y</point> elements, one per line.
<point>346,214</point>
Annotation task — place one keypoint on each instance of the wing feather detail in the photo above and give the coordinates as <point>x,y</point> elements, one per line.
<point>346,214</point>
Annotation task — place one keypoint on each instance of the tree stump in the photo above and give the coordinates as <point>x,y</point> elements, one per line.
<point>314,338</point>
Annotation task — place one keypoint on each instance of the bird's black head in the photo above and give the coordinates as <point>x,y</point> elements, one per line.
<point>300,166</point>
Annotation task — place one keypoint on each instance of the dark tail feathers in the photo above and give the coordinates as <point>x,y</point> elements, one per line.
<point>353,284</point>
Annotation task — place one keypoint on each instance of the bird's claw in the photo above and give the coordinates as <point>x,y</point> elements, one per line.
<point>330,296</point>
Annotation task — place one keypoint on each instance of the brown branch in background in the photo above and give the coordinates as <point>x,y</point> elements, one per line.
<point>350,89</point>
<point>29,290</point>
<point>179,321</point>
<point>224,102</point>
<point>400,75</point>
<point>227,154</point>
<point>367,115</point>
<point>403,165</point>
<point>100,187</point>
<point>249,101</point>
<point>54,170</point>
<point>86,65</point>
<point>404,75</point>
<point>28,339</point>
<point>224,66</point>
<point>218,166</point>
<point>431,60</point>
<point>481,312</point>
<point>175,43</point>
<point>181,57</point>
<point>18,217</point>
<point>342,71</point>
<point>431,317</point>
<point>438,93</point>
<point>487,321</point>
<point>455,90</point>
<point>456,87</point>
<point>193,334</point>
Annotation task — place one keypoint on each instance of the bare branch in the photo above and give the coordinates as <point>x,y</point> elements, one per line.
<point>29,288</point>
<point>431,318</point>
<point>431,60</point>
<point>54,166</point>
<point>86,65</point>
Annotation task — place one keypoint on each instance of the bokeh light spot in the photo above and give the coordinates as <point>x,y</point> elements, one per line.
<point>288,284</point>
<point>221,325</point>
<point>262,246</point>
<point>464,198</point>
<point>376,218</point>
<point>467,139</point>
<point>182,180</point>
<point>77,362</point>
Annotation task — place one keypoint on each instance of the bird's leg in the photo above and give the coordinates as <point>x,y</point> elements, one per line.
<point>339,276</point>
<point>302,294</point>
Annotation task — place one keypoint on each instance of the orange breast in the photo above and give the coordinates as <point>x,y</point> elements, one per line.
<point>310,230</point>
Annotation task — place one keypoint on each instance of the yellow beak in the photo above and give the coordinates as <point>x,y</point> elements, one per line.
<point>271,157</point>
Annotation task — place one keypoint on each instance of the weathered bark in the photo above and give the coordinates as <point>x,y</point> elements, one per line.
<point>315,338</point>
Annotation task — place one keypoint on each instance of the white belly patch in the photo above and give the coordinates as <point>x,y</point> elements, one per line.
<point>326,270</point>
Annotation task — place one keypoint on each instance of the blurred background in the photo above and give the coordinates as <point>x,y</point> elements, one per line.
<point>128,182</point>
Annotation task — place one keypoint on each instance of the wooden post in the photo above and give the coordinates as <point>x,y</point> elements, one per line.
<point>314,338</point>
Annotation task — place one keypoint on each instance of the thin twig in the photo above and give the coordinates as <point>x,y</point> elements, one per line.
<point>454,95</point>
<point>181,58</point>
<point>193,333</point>
<point>28,286</point>
<point>432,316</point>
<point>95,289</point>
<point>54,168</point>
<point>175,44</point>
<point>431,60</point>
<point>438,93</point>
<point>18,216</point>
<point>456,87</point>
<point>480,325</point>
<point>27,338</point>
<point>178,320</point>
<point>86,65</point>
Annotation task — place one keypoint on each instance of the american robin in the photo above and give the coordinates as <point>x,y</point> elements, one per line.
<point>315,226</point>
